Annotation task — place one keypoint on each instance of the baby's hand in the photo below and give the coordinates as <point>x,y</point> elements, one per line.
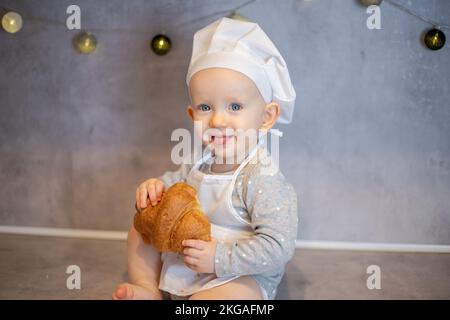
<point>151,188</point>
<point>199,255</point>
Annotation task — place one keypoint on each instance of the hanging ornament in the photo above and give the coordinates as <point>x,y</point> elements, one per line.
<point>371,2</point>
<point>237,16</point>
<point>85,42</point>
<point>434,39</point>
<point>160,44</point>
<point>12,22</point>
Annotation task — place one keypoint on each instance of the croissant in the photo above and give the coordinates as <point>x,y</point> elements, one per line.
<point>176,217</point>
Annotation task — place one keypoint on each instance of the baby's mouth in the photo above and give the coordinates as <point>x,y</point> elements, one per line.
<point>221,140</point>
<point>219,137</point>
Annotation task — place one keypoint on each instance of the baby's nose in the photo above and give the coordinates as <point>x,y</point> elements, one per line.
<point>218,120</point>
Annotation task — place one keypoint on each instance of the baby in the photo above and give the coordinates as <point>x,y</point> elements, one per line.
<point>237,81</point>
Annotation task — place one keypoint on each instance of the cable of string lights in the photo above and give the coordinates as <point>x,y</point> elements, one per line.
<point>230,12</point>
<point>85,42</point>
<point>414,14</point>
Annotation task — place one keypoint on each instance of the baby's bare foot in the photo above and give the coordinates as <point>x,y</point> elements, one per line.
<point>128,291</point>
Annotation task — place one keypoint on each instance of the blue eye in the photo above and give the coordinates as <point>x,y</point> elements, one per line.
<point>236,107</point>
<point>204,107</point>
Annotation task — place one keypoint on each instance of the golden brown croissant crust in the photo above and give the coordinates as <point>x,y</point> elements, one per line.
<point>176,217</point>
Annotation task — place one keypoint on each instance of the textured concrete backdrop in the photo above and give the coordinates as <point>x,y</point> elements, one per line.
<point>368,150</point>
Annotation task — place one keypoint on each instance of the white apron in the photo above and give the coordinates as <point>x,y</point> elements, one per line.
<point>215,195</point>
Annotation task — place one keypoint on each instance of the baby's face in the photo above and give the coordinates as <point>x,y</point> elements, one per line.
<point>227,103</point>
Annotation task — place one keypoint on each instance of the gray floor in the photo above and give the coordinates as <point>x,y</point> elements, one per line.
<point>35,268</point>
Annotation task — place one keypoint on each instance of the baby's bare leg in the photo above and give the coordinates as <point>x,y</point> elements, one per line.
<point>242,288</point>
<point>144,268</point>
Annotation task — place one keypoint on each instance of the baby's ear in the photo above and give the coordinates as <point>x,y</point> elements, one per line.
<point>271,114</point>
<point>190,112</point>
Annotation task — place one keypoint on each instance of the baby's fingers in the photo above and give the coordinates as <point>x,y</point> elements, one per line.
<point>151,188</point>
<point>138,199</point>
<point>142,196</point>
<point>149,191</point>
<point>159,189</point>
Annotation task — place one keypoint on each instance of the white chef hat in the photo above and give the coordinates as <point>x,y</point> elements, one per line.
<point>245,47</point>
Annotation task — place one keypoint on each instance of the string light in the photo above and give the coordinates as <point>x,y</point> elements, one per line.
<point>160,44</point>
<point>85,42</point>
<point>12,22</point>
<point>434,38</point>
<point>371,2</point>
<point>237,16</point>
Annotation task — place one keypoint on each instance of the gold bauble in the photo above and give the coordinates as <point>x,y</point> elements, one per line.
<point>160,44</point>
<point>12,22</point>
<point>434,39</point>
<point>85,42</point>
<point>237,16</point>
<point>371,2</point>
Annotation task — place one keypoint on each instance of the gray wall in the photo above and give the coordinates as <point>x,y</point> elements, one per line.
<point>368,150</point>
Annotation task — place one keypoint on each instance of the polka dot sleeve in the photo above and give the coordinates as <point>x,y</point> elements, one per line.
<point>272,206</point>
